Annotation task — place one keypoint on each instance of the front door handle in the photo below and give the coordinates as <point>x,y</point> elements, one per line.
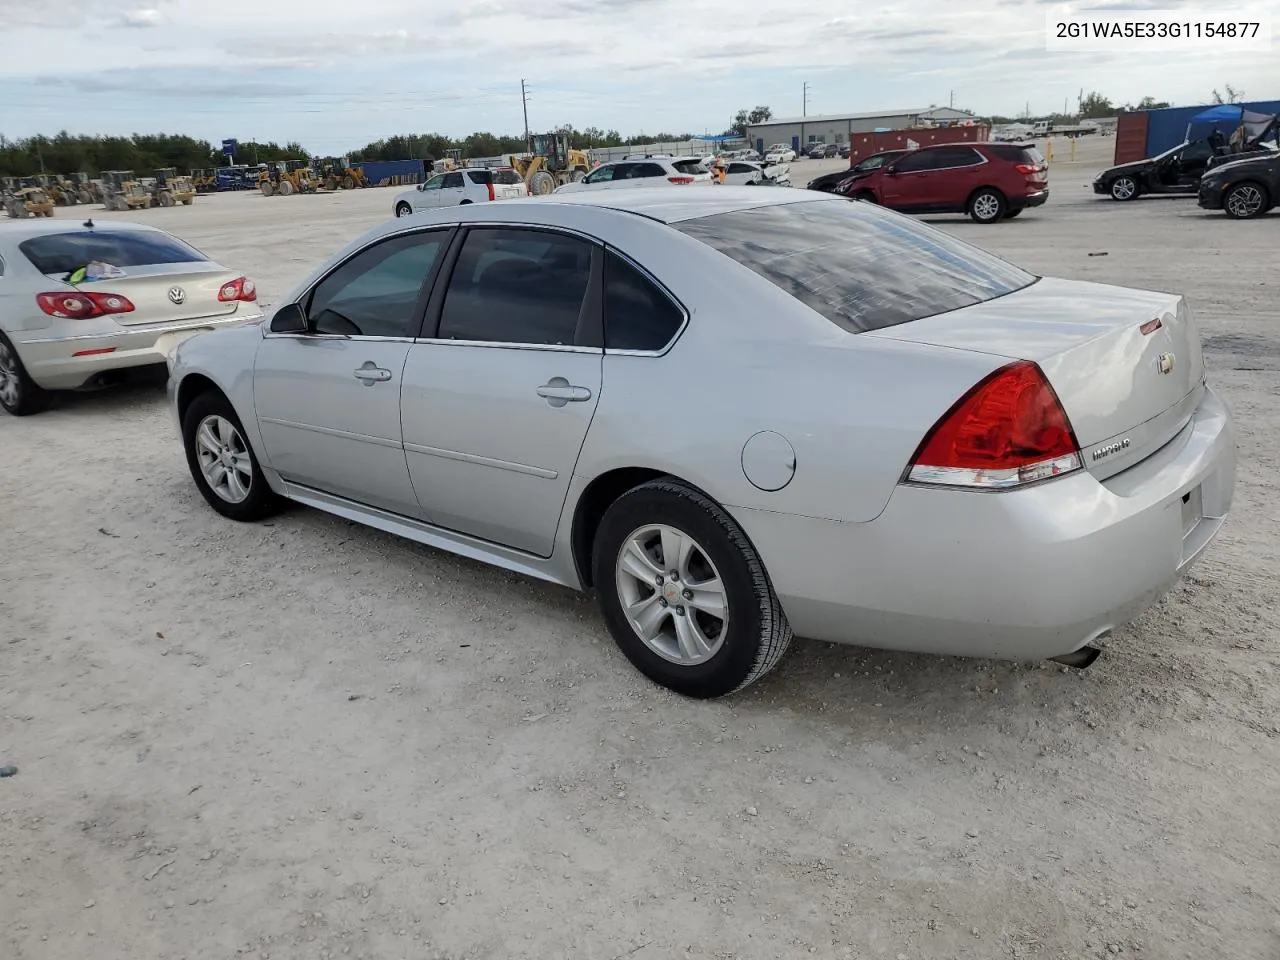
<point>371,373</point>
<point>558,391</point>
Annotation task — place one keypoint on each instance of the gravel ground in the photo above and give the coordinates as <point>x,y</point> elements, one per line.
<point>306,739</point>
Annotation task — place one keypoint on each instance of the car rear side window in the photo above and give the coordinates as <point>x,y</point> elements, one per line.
<point>690,166</point>
<point>517,286</point>
<point>637,315</point>
<point>375,293</point>
<point>451,180</point>
<point>860,266</point>
<point>64,252</point>
<point>1016,153</point>
<point>642,170</point>
<point>480,177</point>
<point>945,157</point>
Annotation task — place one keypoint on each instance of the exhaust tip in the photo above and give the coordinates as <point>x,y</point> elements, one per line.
<point>1080,659</point>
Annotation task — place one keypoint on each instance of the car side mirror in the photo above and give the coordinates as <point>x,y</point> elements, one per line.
<point>289,319</point>
<point>890,172</point>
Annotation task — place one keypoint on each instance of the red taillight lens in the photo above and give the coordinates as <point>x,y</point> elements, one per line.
<point>1026,168</point>
<point>1009,430</point>
<point>681,179</point>
<point>493,195</point>
<point>241,288</point>
<point>79,304</point>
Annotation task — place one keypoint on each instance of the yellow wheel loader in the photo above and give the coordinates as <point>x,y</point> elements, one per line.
<point>553,163</point>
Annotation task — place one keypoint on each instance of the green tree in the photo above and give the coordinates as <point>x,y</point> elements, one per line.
<point>746,118</point>
<point>1094,105</point>
<point>1151,103</point>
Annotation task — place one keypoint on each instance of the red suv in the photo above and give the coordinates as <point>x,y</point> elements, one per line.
<point>988,181</point>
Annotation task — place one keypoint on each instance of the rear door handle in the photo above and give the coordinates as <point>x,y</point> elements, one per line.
<point>370,373</point>
<point>558,391</point>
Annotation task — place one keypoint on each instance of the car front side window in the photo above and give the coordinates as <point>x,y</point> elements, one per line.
<point>376,292</point>
<point>517,286</point>
<point>601,175</point>
<point>917,162</point>
<point>434,183</point>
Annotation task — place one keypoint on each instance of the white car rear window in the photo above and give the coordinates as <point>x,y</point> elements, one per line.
<point>66,252</point>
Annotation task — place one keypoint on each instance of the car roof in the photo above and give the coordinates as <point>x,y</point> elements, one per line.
<point>676,205</point>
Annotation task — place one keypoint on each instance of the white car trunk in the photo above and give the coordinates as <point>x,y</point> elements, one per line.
<point>168,293</point>
<point>1126,364</point>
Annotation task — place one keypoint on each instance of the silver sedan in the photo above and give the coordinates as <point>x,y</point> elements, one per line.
<point>83,303</point>
<point>733,414</point>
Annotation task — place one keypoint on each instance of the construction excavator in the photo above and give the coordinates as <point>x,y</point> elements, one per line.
<point>552,163</point>
<point>284,177</point>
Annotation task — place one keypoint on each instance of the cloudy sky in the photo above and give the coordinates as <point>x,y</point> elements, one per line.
<point>336,75</point>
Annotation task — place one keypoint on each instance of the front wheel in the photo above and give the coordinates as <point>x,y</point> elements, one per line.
<point>987,206</point>
<point>222,463</point>
<point>403,209</point>
<point>1124,188</point>
<point>542,184</point>
<point>1245,201</point>
<point>684,593</point>
<point>19,394</point>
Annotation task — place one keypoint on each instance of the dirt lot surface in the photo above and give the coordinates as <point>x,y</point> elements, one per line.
<point>306,739</point>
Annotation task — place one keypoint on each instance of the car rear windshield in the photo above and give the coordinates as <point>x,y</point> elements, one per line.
<point>690,166</point>
<point>859,265</point>
<point>1017,153</point>
<point>64,252</point>
<point>506,177</point>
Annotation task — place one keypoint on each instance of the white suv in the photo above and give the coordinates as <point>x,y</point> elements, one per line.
<point>473,185</point>
<point>649,172</point>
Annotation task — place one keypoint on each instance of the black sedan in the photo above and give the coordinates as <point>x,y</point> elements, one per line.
<point>1243,189</point>
<point>827,183</point>
<point>821,151</point>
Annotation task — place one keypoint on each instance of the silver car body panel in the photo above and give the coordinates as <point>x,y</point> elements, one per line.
<point>855,555</point>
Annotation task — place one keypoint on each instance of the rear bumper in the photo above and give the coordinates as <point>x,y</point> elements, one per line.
<point>68,363</point>
<point>1037,199</point>
<point>1025,574</point>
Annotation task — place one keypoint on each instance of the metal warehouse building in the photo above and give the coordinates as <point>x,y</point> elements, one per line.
<point>835,128</point>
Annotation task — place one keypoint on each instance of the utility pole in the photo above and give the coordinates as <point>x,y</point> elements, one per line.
<point>524,99</point>
<point>804,108</point>
<point>953,99</point>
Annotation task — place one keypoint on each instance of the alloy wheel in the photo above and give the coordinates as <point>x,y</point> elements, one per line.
<point>224,459</point>
<point>672,595</point>
<point>1124,188</point>
<point>1244,201</point>
<point>986,207</point>
<point>10,384</point>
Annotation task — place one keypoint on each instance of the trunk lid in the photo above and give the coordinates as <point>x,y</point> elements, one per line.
<point>149,287</point>
<point>1126,364</point>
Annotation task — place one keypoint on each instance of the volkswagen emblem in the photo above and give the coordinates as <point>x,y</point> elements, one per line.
<point>178,295</point>
<point>1164,363</point>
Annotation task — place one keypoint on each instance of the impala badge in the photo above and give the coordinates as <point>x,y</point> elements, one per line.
<point>1103,452</point>
<point>1164,363</point>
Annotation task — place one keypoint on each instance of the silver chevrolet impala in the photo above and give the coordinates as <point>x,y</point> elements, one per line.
<point>733,414</point>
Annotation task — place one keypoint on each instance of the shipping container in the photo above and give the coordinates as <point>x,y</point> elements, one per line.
<point>863,145</point>
<point>1167,128</point>
<point>392,173</point>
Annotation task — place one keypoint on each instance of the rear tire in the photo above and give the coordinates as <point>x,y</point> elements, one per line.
<point>19,394</point>
<point>218,452</point>
<point>987,206</point>
<point>286,188</point>
<point>1246,200</point>
<point>689,648</point>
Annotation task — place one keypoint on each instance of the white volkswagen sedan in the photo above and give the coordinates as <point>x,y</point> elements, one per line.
<point>779,153</point>
<point>734,413</point>
<point>82,304</point>
<point>648,172</point>
<point>460,187</point>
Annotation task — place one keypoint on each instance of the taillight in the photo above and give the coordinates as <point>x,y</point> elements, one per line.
<point>81,304</point>
<point>492,193</point>
<point>1026,168</point>
<point>241,288</point>
<point>680,179</point>
<point>1008,430</point>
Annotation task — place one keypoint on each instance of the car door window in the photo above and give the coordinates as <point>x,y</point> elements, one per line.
<point>376,292</point>
<point>451,181</point>
<point>917,162</point>
<point>640,171</point>
<point>949,157</point>
<point>739,168</point>
<point>517,286</point>
<point>434,183</point>
<point>637,315</point>
<point>601,175</point>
